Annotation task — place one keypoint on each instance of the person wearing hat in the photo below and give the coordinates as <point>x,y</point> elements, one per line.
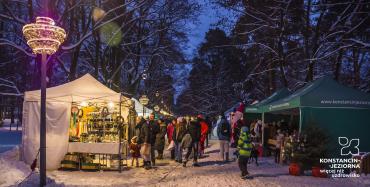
<point>160,139</point>
<point>244,148</point>
<point>134,151</point>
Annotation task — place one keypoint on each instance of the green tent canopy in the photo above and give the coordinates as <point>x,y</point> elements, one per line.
<point>340,110</point>
<point>323,93</point>
<point>259,107</point>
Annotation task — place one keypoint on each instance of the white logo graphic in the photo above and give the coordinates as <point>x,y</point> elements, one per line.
<point>349,147</point>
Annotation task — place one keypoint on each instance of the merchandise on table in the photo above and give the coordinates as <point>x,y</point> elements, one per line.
<point>92,125</point>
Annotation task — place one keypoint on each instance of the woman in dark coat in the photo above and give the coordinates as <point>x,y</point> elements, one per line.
<point>194,130</point>
<point>178,134</point>
<point>160,138</point>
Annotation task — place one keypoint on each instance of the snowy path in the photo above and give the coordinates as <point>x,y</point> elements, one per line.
<point>168,173</point>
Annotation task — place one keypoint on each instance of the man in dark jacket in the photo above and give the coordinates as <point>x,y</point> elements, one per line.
<point>160,138</point>
<point>194,130</point>
<point>154,130</point>
<point>145,141</point>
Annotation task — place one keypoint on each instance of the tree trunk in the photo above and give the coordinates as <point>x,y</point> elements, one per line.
<point>338,65</point>
<point>356,67</point>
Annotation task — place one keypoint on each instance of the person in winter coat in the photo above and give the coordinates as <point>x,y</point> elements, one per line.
<point>145,142</point>
<point>161,138</point>
<point>244,149</point>
<point>179,133</point>
<point>134,151</point>
<point>170,132</point>
<point>224,135</point>
<point>209,123</point>
<point>139,123</point>
<point>154,130</point>
<point>203,134</point>
<point>194,130</point>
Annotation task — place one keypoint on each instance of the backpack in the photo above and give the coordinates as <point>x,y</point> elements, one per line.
<point>225,131</point>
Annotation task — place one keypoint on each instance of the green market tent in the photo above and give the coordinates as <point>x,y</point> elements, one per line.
<point>258,107</point>
<point>340,110</point>
<point>257,111</point>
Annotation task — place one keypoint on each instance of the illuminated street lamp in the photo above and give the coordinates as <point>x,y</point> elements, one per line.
<point>44,38</point>
<point>144,100</point>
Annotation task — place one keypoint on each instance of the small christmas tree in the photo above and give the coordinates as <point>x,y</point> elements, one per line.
<point>311,146</point>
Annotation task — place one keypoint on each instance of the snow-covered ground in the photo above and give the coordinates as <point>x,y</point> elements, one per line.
<point>9,139</point>
<point>168,173</point>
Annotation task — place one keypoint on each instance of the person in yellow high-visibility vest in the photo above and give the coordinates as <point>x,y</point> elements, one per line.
<point>244,148</point>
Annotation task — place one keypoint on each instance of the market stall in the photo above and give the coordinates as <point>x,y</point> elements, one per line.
<point>84,119</point>
<point>256,111</point>
<point>340,110</point>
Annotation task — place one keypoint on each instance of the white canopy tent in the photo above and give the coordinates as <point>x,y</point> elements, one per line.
<point>58,111</point>
<point>139,108</point>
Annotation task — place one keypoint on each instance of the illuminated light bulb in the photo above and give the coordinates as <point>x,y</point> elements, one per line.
<point>110,104</point>
<point>98,14</point>
<point>84,104</point>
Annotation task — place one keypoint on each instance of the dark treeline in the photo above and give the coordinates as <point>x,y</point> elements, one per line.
<point>275,44</point>
<point>129,45</point>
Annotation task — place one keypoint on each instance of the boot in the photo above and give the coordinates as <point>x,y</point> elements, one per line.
<point>153,162</point>
<point>147,165</point>
<point>160,156</point>
<point>184,164</point>
<point>227,157</point>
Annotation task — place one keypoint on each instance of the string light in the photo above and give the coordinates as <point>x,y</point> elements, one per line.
<point>43,36</point>
<point>110,104</point>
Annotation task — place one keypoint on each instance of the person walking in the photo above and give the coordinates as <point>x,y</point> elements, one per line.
<point>244,148</point>
<point>203,135</point>
<point>178,135</point>
<point>224,135</point>
<point>154,130</point>
<point>170,133</point>
<point>194,130</point>
<point>209,123</point>
<point>145,142</point>
<point>161,138</point>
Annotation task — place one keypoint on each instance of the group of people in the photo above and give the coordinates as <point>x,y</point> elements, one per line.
<point>189,134</point>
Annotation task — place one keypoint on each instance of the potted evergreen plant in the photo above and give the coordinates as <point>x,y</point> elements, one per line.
<point>309,149</point>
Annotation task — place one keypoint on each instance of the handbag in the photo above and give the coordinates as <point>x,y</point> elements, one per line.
<point>186,141</point>
<point>171,146</point>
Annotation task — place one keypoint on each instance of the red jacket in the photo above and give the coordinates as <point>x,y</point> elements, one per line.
<point>170,129</point>
<point>204,130</point>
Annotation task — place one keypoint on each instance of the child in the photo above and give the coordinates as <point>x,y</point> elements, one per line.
<point>244,149</point>
<point>135,151</point>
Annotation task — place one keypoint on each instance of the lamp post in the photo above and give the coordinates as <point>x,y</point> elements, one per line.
<point>144,100</point>
<point>44,38</point>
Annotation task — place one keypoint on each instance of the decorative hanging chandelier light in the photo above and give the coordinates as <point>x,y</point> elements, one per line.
<point>44,37</point>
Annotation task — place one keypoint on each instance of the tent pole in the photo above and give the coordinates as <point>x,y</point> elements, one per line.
<point>263,128</point>
<point>300,120</point>
<point>120,137</point>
